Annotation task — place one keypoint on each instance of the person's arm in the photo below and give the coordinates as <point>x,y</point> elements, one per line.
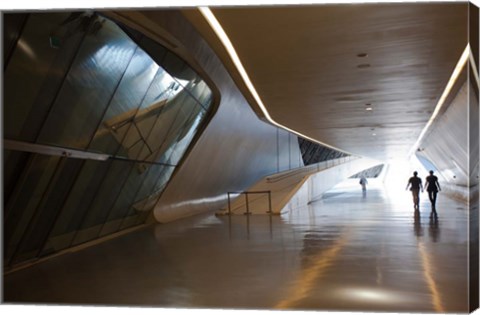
<point>421,186</point>
<point>408,184</point>
<point>438,184</point>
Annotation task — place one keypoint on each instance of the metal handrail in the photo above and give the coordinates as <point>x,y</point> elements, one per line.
<point>246,193</point>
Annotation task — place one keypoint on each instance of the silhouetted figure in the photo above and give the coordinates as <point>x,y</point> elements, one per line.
<point>432,187</point>
<point>364,182</point>
<point>415,184</point>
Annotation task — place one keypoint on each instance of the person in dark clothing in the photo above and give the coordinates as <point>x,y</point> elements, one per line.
<point>364,182</point>
<point>415,184</point>
<point>432,187</point>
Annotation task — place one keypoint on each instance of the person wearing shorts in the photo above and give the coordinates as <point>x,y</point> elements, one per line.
<point>415,184</point>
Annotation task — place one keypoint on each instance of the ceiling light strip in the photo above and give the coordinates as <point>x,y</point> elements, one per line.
<point>453,78</point>
<point>218,29</point>
<point>474,66</point>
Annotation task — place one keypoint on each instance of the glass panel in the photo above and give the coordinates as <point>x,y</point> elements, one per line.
<point>79,108</point>
<point>203,94</point>
<point>130,220</point>
<point>169,127</point>
<point>178,69</point>
<point>185,135</point>
<point>24,202</point>
<point>128,193</point>
<point>187,78</point>
<point>145,203</point>
<point>139,188</point>
<point>125,103</point>
<point>143,217</point>
<point>154,50</point>
<point>36,71</point>
<point>13,171</point>
<point>48,209</point>
<point>138,129</point>
<point>163,180</point>
<point>119,174</point>
<point>167,122</point>
<point>13,25</point>
<point>86,85</point>
<point>77,204</point>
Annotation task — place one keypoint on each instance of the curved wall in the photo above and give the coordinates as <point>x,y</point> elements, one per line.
<point>446,146</point>
<point>94,127</point>
<point>235,150</point>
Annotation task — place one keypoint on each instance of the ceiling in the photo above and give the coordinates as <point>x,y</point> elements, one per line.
<point>317,68</point>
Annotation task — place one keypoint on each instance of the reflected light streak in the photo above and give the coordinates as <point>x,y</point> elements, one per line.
<point>373,295</point>
<point>310,275</point>
<point>451,82</point>
<point>200,201</point>
<point>26,48</point>
<point>218,29</point>
<point>427,272</point>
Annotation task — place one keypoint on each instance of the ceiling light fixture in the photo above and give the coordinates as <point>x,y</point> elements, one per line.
<point>453,78</point>
<point>217,28</point>
<point>363,66</point>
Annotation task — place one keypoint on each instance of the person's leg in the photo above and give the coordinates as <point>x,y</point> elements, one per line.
<point>430,196</point>
<point>415,197</point>
<point>434,199</point>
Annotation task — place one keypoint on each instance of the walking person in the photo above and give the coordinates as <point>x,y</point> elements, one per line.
<point>364,182</point>
<point>415,184</point>
<point>432,187</point>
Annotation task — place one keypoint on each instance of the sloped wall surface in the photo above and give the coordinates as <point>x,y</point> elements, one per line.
<point>446,146</point>
<point>236,148</point>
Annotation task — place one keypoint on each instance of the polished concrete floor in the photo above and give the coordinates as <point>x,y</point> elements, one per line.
<point>345,252</point>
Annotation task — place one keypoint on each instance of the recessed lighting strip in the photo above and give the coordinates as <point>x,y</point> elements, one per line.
<point>474,66</point>
<point>448,88</point>
<point>218,29</point>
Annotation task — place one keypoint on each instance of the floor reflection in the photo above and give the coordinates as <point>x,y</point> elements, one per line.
<point>417,225</point>
<point>433,227</point>
<point>342,253</point>
<point>318,254</point>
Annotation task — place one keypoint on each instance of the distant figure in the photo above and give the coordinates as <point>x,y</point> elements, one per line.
<point>364,182</point>
<point>415,184</point>
<point>432,187</point>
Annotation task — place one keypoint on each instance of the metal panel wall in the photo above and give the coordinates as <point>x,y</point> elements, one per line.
<point>235,150</point>
<point>446,146</point>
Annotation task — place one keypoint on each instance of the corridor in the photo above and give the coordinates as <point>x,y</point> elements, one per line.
<point>345,252</point>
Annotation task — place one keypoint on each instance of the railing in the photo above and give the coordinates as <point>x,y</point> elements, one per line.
<point>247,201</point>
<point>280,177</point>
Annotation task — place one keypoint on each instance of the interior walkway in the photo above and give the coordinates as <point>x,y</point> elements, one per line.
<point>345,252</point>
